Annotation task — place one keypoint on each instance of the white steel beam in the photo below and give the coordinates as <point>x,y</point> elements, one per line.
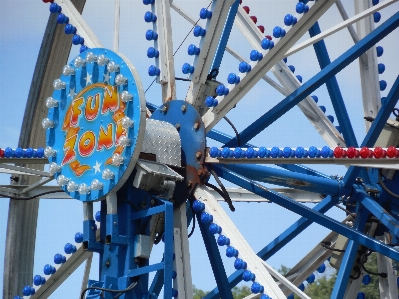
<point>388,286</point>
<point>116,24</point>
<point>238,242</point>
<point>86,272</point>
<point>357,18</point>
<point>5,168</point>
<point>237,92</point>
<point>164,44</point>
<point>183,282</point>
<point>208,45</point>
<point>76,19</point>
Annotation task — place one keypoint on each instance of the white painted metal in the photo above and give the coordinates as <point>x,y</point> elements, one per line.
<point>368,71</point>
<point>86,272</point>
<point>237,241</point>
<point>37,184</point>
<point>388,286</point>
<point>208,46</point>
<point>182,266</point>
<point>237,92</point>
<point>116,25</point>
<point>77,20</point>
<point>345,17</point>
<point>23,170</point>
<point>359,17</point>
<point>164,43</point>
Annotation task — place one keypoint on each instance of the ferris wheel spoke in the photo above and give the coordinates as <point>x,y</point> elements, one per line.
<point>77,20</point>
<point>315,82</point>
<point>377,125</point>
<point>306,212</point>
<point>238,91</point>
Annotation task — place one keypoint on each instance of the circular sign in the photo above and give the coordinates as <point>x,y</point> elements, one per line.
<point>95,124</point>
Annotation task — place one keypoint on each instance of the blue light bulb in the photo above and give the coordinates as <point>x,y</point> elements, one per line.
<point>206,218</point>
<point>312,152</point>
<point>17,297</point>
<point>275,152</point>
<point>58,259</point>
<point>225,152</point>
<point>61,19</point>
<point>37,280</point>
<point>199,31</point>
<point>223,240</point>
<point>215,229</point>
<point>322,268</point>
<point>315,98</point>
<point>205,14</point>
<point>283,32</point>
<point>69,29</point>
<point>326,152</point>
<point>198,206</point>
<point>152,52</point>
<point>8,153</point>
<point>149,17</point>
<point>331,118</point>
<point>299,77</point>
<point>301,287</point>
<point>68,248</point>
<point>27,291</point>
<point>288,19</point>
<point>239,264</point>
<point>299,152</point>
<point>77,40</point>
<point>213,152</point>
<point>174,274</point>
<point>19,152</point>
<point>256,288</point>
<point>153,71</point>
<point>290,296</point>
<point>265,44</point>
<point>271,46</point>
<point>78,237</point>
<point>209,102</point>
<point>83,48</point>
<point>383,85</point>
<point>366,279</point>
<point>187,69</point>
<point>381,68</point>
<point>47,269</point>
<point>311,278</point>
<point>287,151</point>
<point>250,153</point>
<point>151,35</point>
<point>220,90</point>
<point>262,152</point>
<point>231,251</point>
<point>294,21</point>
<point>233,78</point>
<point>361,295</point>
<point>264,296</point>
<point>248,276</point>
<point>322,108</point>
<point>147,2</point>
<point>255,55</point>
<point>98,216</point>
<point>292,68</point>
<point>380,51</point>
<point>28,152</point>
<point>193,50</point>
<point>277,32</point>
<point>244,67</point>
<point>55,8</point>
<point>300,7</point>
<point>306,9</point>
<point>377,17</point>
<point>375,2</point>
<point>237,152</point>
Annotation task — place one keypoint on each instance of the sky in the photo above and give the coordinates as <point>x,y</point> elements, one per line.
<point>21,31</point>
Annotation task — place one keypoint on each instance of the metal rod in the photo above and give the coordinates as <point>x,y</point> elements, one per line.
<point>116,25</point>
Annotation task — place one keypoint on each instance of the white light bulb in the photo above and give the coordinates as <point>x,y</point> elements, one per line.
<point>127,122</point>
<point>72,186</point>
<point>124,141</point>
<point>51,103</point>
<point>125,96</point>
<point>79,62</point>
<point>117,159</point>
<point>120,80</point>
<point>49,152</point>
<point>58,84</point>
<point>54,168</point>
<point>47,123</point>
<point>83,189</point>
<point>62,180</point>
<point>96,185</point>
<point>112,67</point>
<point>102,60</point>
<point>91,57</point>
<point>107,174</point>
<point>68,70</point>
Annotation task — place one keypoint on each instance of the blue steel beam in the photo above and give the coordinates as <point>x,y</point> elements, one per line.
<point>349,256</point>
<point>376,128</point>
<point>333,90</point>
<point>215,259</point>
<point>217,60</point>
<point>319,79</point>
<point>306,212</point>
<point>287,178</point>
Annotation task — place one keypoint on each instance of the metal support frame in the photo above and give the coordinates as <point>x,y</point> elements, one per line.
<point>315,82</point>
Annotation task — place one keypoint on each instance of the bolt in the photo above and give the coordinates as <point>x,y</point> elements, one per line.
<point>143,204</point>
<point>198,155</point>
<point>189,184</point>
<point>107,263</point>
<point>177,126</point>
<point>183,108</point>
<point>196,126</point>
<point>114,223</point>
<point>164,109</point>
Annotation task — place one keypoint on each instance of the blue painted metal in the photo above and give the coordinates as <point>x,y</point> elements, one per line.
<point>279,242</point>
<point>333,90</point>
<point>217,60</point>
<point>168,251</point>
<point>215,259</point>
<point>376,127</point>
<point>287,178</point>
<point>349,256</point>
<point>224,138</point>
<point>90,103</point>
<point>306,212</point>
<point>380,213</point>
<point>319,79</point>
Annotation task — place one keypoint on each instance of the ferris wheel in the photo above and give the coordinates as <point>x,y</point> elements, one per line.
<point>149,162</point>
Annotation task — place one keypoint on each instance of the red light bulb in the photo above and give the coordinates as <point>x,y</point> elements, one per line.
<point>1,153</point>
<point>261,28</point>
<point>351,152</point>
<point>246,8</point>
<point>338,152</point>
<point>391,152</point>
<point>364,152</point>
<point>379,153</point>
<point>254,19</point>
<point>268,37</point>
